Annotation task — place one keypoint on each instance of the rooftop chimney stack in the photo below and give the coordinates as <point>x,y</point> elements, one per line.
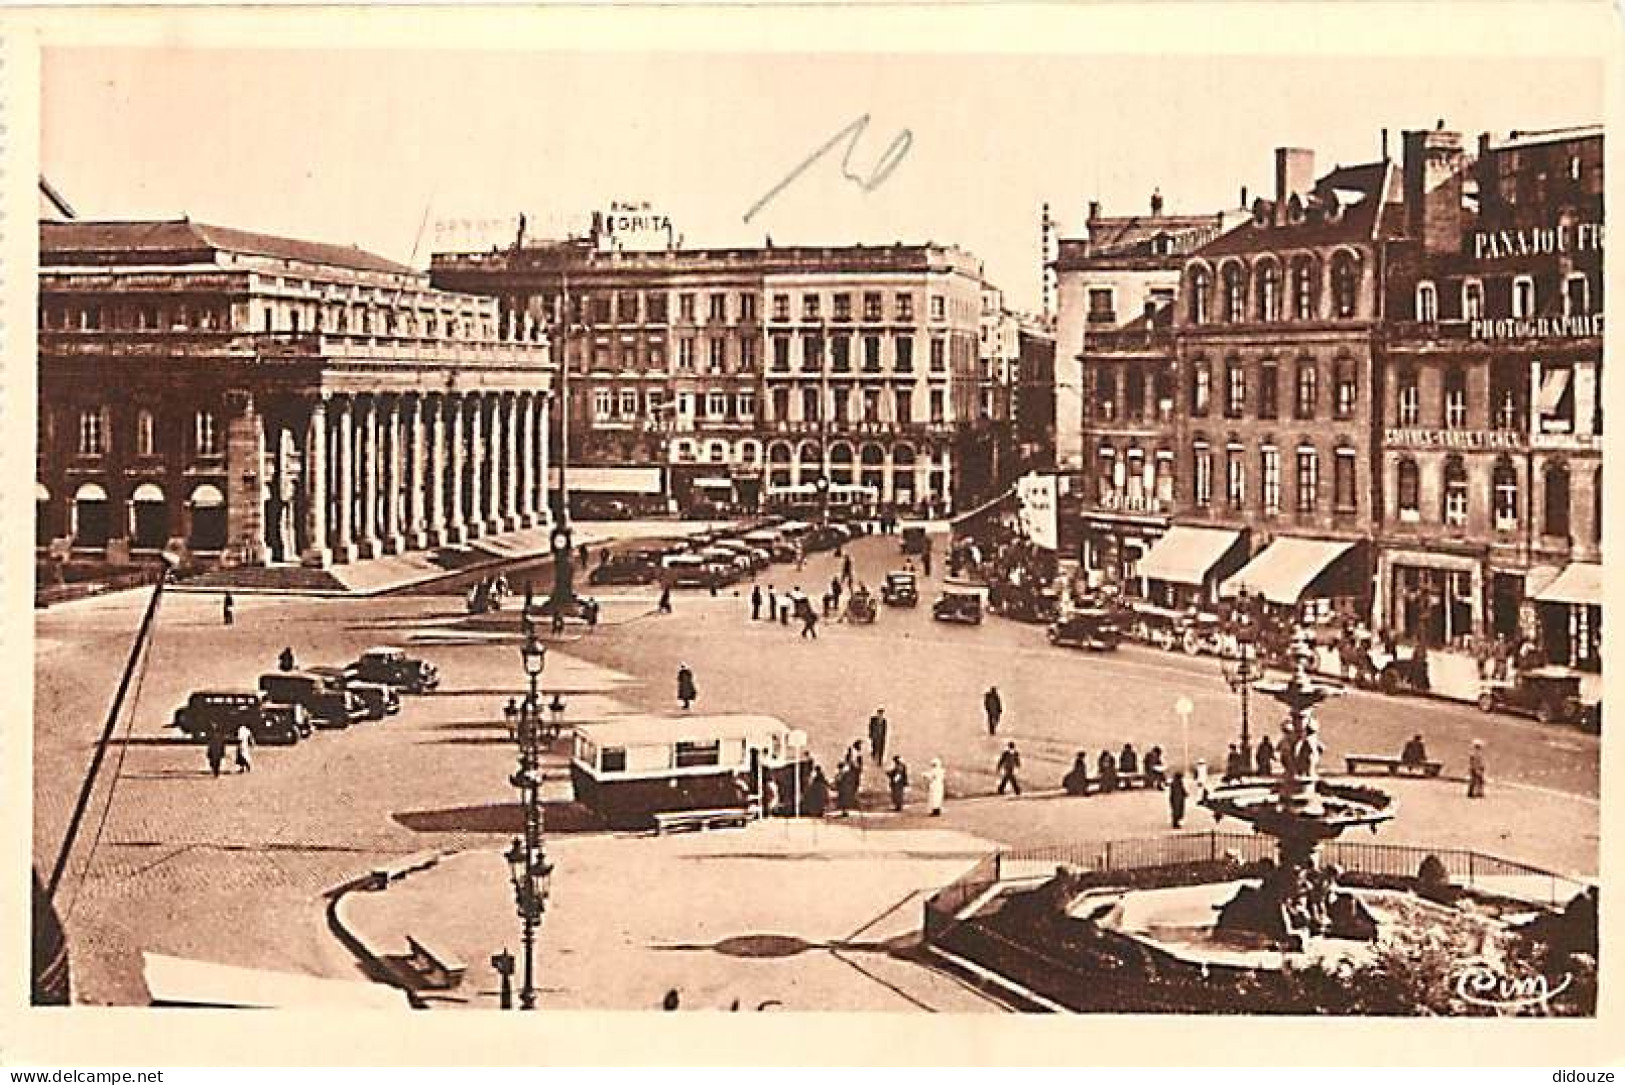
<point>1094,210</point>
<point>1432,172</point>
<point>1156,202</point>
<point>1294,176</point>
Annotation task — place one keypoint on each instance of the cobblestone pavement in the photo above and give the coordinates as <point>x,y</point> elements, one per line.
<point>232,869</point>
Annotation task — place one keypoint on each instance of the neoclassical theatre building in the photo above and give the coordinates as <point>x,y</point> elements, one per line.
<point>256,400</point>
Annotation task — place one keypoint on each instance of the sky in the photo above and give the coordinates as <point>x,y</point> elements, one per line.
<point>380,148</point>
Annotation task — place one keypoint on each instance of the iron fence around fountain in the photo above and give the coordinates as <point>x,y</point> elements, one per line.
<point>1214,851</point>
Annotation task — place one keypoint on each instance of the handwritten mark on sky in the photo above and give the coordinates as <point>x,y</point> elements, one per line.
<point>852,133</point>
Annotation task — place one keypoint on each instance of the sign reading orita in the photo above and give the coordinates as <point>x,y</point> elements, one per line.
<point>1039,521</point>
<point>632,228</point>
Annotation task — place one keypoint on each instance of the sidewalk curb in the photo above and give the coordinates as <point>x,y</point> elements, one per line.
<point>372,960</point>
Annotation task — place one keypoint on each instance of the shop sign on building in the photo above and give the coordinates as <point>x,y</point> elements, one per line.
<point>1038,510</point>
<point>1469,440</point>
<point>1539,327</point>
<point>1540,241</point>
<point>629,227</point>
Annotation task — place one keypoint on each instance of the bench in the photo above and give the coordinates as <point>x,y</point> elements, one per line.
<point>1124,783</point>
<point>438,969</point>
<point>724,817</point>
<point>1394,765</point>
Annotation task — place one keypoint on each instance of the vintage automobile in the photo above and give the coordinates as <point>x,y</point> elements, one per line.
<point>579,607</point>
<point>773,542</point>
<point>631,567</point>
<point>860,607</point>
<point>1093,628</point>
<point>1024,603</point>
<point>755,559</point>
<point>1160,626</point>
<point>694,571</point>
<point>1403,670</point>
<point>393,667</point>
<point>827,537</point>
<point>899,589</point>
<point>1550,694</point>
<point>914,540</point>
<point>631,769</point>
<point>379,699</point>
<point>328,707</point>
<point>958,605</point>
<point>222,711</point>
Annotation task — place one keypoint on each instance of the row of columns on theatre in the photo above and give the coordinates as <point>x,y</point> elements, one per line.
<point>353,476</point>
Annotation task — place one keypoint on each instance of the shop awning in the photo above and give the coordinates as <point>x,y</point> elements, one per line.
<point>1580,583</point>
<point>614,480</point>
<point>1284,569</point>
<point>1186,555</point>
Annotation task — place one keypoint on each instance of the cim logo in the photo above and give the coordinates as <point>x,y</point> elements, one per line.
<point>1483,983</point>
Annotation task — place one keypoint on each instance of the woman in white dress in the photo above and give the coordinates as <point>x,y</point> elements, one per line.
<point>936,782</point>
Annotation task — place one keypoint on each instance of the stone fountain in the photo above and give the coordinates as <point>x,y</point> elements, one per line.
<point>1299,896</point>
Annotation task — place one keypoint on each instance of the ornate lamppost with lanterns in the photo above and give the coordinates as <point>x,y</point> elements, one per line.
<point>528,867</point>
<point>1245,672</point>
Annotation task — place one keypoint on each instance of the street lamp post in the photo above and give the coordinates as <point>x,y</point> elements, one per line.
<point>528,867</point>
<point>1242,677</point>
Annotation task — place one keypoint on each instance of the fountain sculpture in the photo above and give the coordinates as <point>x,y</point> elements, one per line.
<point>1299,896</point>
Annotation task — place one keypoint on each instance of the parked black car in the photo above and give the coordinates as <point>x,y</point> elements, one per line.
<point>1096,630</point>
<point>222,711</point>
<point>393,667</point>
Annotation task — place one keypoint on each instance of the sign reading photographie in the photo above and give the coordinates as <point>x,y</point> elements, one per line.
<point>1537,327</point>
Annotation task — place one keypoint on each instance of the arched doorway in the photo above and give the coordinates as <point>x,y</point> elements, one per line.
<point>149,518</point>
<point>44,528</point>
<point>90,517</point>
<point>208,519</point>
<point>778,472</point>
<point>872,467</point>
<point>840,464</point>
<point>903,474</point>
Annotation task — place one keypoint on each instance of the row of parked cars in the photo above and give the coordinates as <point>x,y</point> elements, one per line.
<point>289,705</point>
<point>717,559</point>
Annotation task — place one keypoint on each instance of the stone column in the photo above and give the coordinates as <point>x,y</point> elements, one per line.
<point>394,463</point>
<point>344,547</point>
<point>494,467</point>
<point>417,534</point>
<point>544,456</point>
<point>473,451</point>
<point>368,469</point>
<point>439,514</point>
<point>527,459</point>
<point>245,484</point>
<point>317,554</point>
<point>510,455</point>
<point>457,466</point>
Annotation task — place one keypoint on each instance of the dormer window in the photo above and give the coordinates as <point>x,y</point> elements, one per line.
<point>1427,302</point>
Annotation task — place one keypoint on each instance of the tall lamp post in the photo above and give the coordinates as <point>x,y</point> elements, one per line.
<point>1242,676</point>
<point>528,867</point>
<point>560,542</point>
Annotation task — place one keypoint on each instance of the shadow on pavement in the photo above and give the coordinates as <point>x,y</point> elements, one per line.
<point>764,946</point>
<point>559,817</point>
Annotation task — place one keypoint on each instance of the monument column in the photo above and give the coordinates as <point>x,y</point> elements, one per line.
<point>476,467</point>
<point>367,469</point>
<point>344,547</point>
<point>416,528</point>
<point>393,463</point>
<point>527,461</point>
<point>456,464</point>
<point>494,466</point>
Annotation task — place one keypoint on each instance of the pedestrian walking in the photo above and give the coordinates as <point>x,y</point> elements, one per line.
<point>846,789</point>
<point>755,602</point>
<point>582,555</point>
<point>217,749</point>
<point>285,661</point>
<point>925,559</point>
<point>936,786</point>
<point>854,761</point>
<point>686,693</point>
<point>993,705</point>
<point>1009,765</point>
<point>245,748</point>
<point>878,726</point>
<point>897,778</point>
<point>785,606</point>
<point>816,800</point>
<point>1475,771</point>
<point>227,605</point>
<point>1176,800</point>
<point>809,620</point>
<point>664,606</point>
<point>801,557</point>
<point>846,569</point>
<point>835,591</point>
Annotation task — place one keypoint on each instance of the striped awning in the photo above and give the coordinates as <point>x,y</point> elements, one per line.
<point>1186,555</point>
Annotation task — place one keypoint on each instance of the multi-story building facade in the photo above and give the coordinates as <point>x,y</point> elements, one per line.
<point>750,372</point>
<point>1276,342</point>
<point>259,400</point>
<point>1114,382</point>
<point>1491,519</point>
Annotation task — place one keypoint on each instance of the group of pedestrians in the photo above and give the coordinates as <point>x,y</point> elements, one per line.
<point>775,606</point>
<point>847,786</point>
<point>221,738</point>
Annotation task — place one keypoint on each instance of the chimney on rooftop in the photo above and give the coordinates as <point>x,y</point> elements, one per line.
<point>1156,202</point>
<point>1294,176</point>
<point>1432,174</point>
<point>1094,210</point>
<point>1243,202</point>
